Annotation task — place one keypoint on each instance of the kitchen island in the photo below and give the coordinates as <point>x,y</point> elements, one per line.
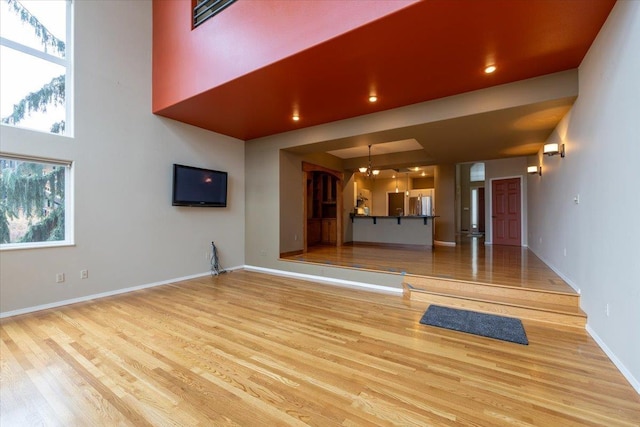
<point>397,230</point>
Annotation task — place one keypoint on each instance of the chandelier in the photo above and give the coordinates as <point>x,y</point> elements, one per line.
<point>368,171</point>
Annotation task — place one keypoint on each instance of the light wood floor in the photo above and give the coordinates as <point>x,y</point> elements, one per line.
<point>471,260</point>
<point>248,349</point>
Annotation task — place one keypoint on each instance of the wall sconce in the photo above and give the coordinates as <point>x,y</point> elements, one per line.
<point>534,169</point>
<point>553,149</point>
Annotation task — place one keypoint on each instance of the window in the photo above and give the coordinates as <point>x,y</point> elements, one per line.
<point>476,173</point>
<point>35,71</point>
<point>35,202</point>
<point>205,9</point>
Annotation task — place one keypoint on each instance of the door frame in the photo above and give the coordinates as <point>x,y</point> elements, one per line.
<point>489,224</point>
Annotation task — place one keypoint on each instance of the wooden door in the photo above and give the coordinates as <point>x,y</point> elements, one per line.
<point>396,204</point>
<point>506,212</point>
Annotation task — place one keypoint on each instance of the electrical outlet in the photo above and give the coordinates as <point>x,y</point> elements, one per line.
<point>565,251</point>
<point>84,274</point>
<point>606,310</point>
<point>295,237</point>
<point>207,256</point>
<point>59,277</point>
<point>576,199</point>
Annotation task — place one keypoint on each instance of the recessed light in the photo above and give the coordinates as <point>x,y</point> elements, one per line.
<point>373,98</point>
<point>295,118</point>
<point>490,69</point>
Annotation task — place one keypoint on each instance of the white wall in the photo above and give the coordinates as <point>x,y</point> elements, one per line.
<point>126,231</point>
<point>602,165</point>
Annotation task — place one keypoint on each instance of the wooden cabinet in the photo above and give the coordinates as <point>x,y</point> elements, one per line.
<point>323,203</point>
<point>329,231</point>
<point>314,231</point>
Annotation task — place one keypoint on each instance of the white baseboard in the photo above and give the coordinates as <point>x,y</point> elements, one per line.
<point>102,295</point>
<point>323,279</point>
<point>623,369</point>
<point>559,273</point>
<point>443,243</point>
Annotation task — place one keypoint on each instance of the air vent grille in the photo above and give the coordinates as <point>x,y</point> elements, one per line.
<point>206,9</point>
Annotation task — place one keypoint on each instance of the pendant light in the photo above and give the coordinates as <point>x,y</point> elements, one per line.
<point>369,171</point>
<point>407,192</point>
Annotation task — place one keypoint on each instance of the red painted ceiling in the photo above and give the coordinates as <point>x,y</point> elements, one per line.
<point>427,50</point>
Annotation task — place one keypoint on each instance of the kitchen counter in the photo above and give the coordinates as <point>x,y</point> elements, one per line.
<point>405,230</point>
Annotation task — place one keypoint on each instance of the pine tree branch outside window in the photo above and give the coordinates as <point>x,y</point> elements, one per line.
<point>35,196</point>
<point>28,46</point>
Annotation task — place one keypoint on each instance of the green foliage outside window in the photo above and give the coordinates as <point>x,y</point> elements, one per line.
<point>31,194</point>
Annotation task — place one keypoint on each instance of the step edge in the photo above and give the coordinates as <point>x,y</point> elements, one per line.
<point>580,314</point>
<point>494,285</point>
<point>564,320</point>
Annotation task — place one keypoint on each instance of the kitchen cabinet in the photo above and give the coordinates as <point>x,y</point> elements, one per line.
<point>322,225</point>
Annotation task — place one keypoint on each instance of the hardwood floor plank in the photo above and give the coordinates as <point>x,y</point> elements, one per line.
<point>247,349</point>
<point>470,260</point>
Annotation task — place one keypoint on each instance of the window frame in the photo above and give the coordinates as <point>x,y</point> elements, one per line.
<point>66,62</point>
<point>69,205</point>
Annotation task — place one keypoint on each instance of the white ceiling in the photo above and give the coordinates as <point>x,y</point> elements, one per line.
<point>378,149</point>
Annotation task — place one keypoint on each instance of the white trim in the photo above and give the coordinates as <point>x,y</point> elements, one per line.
<point>323,279</point>
<point>69,205</point>
<point>102,295</point>
<point>69,87</point>
<point>36,245</point>
<point>35,159</point>
<point>443,243</point>
<point>33,52</point>
<point>522,230</point>
<point>623,369</point>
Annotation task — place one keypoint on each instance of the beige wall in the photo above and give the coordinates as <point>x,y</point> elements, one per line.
<point>291,193</point>
<point>127,234</point>
<point>593,244</point>
<point>421,183</point>
<point>264,226</point>
<point>445,181</point>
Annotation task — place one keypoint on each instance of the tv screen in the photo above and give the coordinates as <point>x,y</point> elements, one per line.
<point>199,187</point>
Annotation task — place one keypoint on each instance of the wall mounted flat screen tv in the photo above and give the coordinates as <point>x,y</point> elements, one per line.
<point>199,187</point>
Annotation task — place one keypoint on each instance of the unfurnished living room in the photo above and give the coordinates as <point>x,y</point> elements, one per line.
<point>319,212</point>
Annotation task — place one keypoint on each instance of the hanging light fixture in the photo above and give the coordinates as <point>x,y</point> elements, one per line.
<point>370,172</point>
<point>407,192</point>
<point>396,177</point>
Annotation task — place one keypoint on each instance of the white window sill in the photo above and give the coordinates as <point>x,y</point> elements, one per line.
<point>35,245</point>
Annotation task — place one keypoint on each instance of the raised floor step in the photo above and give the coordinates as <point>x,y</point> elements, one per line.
<point>544,306</point>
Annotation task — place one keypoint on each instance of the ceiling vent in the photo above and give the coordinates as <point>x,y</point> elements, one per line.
<point>206,9</point>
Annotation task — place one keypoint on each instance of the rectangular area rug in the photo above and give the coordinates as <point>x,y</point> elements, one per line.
<point>486,325</point>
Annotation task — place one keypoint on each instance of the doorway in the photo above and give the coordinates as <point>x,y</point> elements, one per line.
<point>395,204</point>
<point>477,210</point>
<point>506,214</point>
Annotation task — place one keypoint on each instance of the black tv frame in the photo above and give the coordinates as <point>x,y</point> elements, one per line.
<point>178,197</point>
